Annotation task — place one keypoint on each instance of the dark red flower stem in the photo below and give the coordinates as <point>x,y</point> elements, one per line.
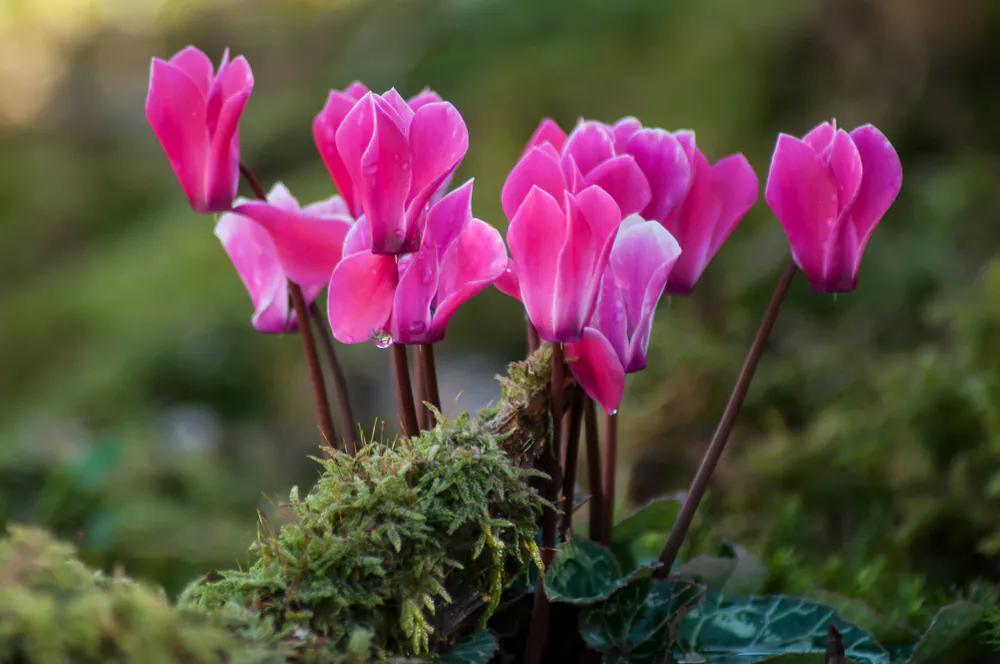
<point>533,340</point>
<point>420,382</point>
<point>305,333</point>
<point>541,612</point>
<point>594,470</point>
<point>575,416</point>
<point>347,420</point>
<point>404,393</point>
<point>725,427</point>
<point>429,367</point>
<point>609,467</point>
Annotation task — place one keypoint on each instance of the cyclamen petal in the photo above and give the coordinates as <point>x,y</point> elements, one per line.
<point>308,246</point>
<point>596,366</point>
<point>548,132</point>
<point>360,296</point>
<point>539,168</point>
<point>194,114</point>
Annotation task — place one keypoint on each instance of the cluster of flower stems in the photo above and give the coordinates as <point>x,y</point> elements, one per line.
<point>570,421</point>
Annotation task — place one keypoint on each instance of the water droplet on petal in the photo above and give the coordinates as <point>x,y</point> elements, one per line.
<point>382,339</point>
<point>399,233</point>
<point>348,339</point>
<point>417,327</point>
<point>405,166</point>
<point>613,413</point>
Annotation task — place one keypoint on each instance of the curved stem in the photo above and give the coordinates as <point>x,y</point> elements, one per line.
<point>420,383</point>
<point>610,467</point>
<point>594,471</point>
<point>718,443</point>
<point>305,332</point>
<point>339,381</point>
<point>404,393</point>
<point>572,456</point>
<point>430,376</point>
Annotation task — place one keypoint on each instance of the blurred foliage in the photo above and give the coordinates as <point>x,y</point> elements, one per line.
<point>142,416</point>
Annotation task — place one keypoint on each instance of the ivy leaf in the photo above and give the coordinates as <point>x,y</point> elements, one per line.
<point>733,572</point>
<point>641,535</point>
<point>584,572</point>
<point>950,627</point>
<point>635,625</point>
<point>853,610</point>
<point>743,630</point>
<point>476,648</point>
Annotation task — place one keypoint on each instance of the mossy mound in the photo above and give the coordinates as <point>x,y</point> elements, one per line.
<point>404,546</point>
<point>55,610</point>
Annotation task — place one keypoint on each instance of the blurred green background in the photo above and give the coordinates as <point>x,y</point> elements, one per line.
<point>142,416</point>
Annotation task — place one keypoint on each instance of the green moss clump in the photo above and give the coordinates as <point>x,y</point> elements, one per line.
<point>55,610</point>
<point>408,543</point>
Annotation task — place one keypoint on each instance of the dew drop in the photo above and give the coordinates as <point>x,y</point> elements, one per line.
<point>369,170</point>
<point>399,233</point>
<point>395,157</point>
<point>417,327</point>
<point>613,413</point>
<point>348,339</point>
<point>382,339</point>
<point>427,276</point>
<point>405,166</point>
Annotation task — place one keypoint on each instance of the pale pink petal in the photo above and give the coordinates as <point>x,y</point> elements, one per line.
<point>883,178</point>
<point>411,311</point>
<point>536,236</point>
<point>590,145</point>
<point>335,206</point>
<point>250,249</point>
<point>197,66</point>
<point>476,259</point>
<point>309,248</point>
<point>449,217</point>
<point>424,97</point>
<point>737,188</point>
<point>377,156</point>
<point>359,299</point>
<point>575,291</point>
<point>693,227</point>
<point>663,161</point>
<point>325,127</point>
<point>624,129</point>
<point>596,367</point>
<point>802,194</point>
<point>548,132</point>
<point>281,198</point>
<point>820,138</point>
<point>624,180</point>
<point>539,168</point>
<point>175,109</point>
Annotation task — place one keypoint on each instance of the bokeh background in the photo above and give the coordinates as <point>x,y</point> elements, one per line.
<point>141,415</point>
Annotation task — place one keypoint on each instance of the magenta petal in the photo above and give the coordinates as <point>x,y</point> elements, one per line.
<point>175,109</point>
<point>356,90</point>
<point>802,194</point>
<point>325,127</point>
<point>508,282</point>
<point>737,188</point>
<point>687,140</point>
<point>475,260</point>
<point>820,138</point>
<point>883,178</point>
<point>536,236</point>
<point>377,156</point>
<point>358,239</point>
<point>424,97</point>
<point>624,129</point>
<point>331,207</point>
<point>601,212</point>
<point>449,217</point>
<point>308,248</point>
<point>845,164</point>
<point>595,366</point>
<point>250,249</point>
<point>624,180</point>
<point>359,300</point>
<point>439,140</point>
<point>574,178</point>
<point>539,168</point>
<point>411,311</point>
<point>663,161</point>
<point>575,291</point>
<point>401,108</point>
<point>693,226</point>
<point>548,132</point>
<point>590,144</point>
<point>610,316</point>
<point>197,66</point>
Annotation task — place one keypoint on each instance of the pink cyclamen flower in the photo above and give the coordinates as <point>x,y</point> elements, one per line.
<point>559,248</point>
<point>194,113</point>
<point>616,340</point>
<point>309,241</point>
<point>829,191</point>
<point>390,159</point>
<point>662,176</point>
<point>254,254</point>
<point>412,299</point>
